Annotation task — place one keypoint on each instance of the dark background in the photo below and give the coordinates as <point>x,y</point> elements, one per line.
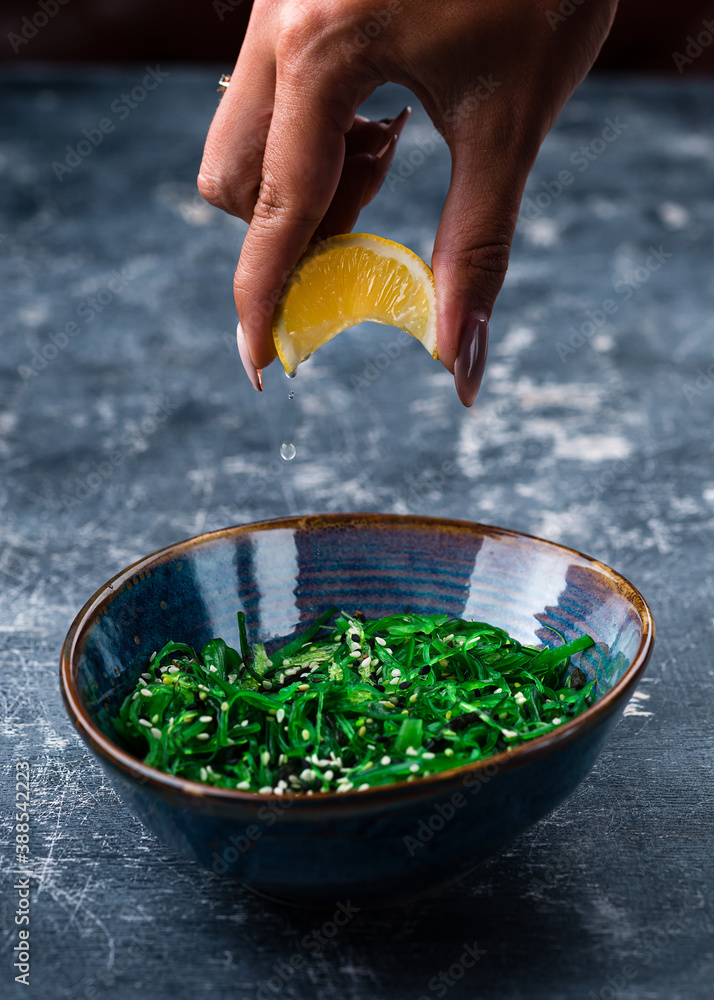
<point>644,36</point>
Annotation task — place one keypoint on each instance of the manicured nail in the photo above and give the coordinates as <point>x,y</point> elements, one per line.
<point>398,122</point>
<point>389,145</point>
<point>253,373</point>
<point>471,359</point>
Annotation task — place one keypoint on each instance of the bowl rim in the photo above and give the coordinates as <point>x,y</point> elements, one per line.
<point>506,760</point>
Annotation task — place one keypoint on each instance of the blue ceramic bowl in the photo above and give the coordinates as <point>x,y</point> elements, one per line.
<point>391,843</point>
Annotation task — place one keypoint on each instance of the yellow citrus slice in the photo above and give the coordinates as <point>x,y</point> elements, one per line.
<point>348,279</point>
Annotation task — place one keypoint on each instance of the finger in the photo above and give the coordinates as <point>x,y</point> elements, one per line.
<point>229,177</point>
<point>472,249</point>
<point>303,161</point>
<point>355,180</point>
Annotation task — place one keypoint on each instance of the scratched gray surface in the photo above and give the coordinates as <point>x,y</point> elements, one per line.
<point>606,447</point>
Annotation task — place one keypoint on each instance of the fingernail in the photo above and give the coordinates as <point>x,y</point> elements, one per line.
<point>254,374</point>
<point>471,359</point>
<point>399,121</point>
<point>389,144</point>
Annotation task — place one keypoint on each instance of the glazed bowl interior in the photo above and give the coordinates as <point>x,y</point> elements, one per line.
<point>282,574</point>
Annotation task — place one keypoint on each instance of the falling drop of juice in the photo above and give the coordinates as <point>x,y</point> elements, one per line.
<point>287,451</point>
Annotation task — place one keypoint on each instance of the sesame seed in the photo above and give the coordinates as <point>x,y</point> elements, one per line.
<point>243,784</point>
<point>413,698</point>
<point>411,752</point>
<point>281,785</point>
<point>147,677</point>
<point>277,790</point>
<point>154,719</point>
<point>307,775</point>
<point>396,672</point>
<point>380,641</point>
<point>265,757</point>
<point>448,714</point>
<point>356,653</point>
<point>516,685</point>
<point>365,662</point>
<point>362,788</point>
<point>443,663</point>
<point>556,721</point>
<point>389,650</point>
<point>362,730</point>
<point>173,670</point>
<point>152,657</point>
<point>224,706</point>
<point>266,790</point>
<point>328,775</point>
<point>143,682</point>
<point>156,733</point>
<point>206,718</point>
<point>204,774</point>
<point>203,736</point>
<point>389,704</point>
<point>305,734</point>
<point>146,693</point>
<point>520,698</point>
<point>498,691</point>
<point>414,768</point>
<point>281,714</point>
<point>346,787</point>
<point>232,678</point>
<point>212,669</point>
<point>244,723</point>
<point>202,695</point>
<point>145,722</point>
<point>135,696</point>
<point>510,734</point>
<point>303,687</point>
<point>385,760</point>
<point>428,755</point>
<point>267,685</point>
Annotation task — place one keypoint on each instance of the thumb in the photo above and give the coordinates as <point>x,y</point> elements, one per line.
<point>470,259</point>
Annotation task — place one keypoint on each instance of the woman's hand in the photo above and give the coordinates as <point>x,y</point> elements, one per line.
<point>287,152</point>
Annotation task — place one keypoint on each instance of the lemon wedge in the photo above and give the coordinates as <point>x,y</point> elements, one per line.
<point>345,280</point>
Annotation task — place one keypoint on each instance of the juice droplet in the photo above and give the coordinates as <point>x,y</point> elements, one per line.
<point>291,394</point>
<point>291,374</point>
<point>288,451</point>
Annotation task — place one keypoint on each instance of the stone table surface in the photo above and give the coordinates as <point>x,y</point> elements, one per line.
<point>134,426</point>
